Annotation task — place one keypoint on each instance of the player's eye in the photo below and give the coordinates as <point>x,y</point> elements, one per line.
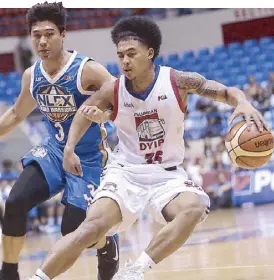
<point>131,55</point>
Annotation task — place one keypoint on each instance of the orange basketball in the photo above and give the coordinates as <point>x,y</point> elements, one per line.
<point>248,149</point>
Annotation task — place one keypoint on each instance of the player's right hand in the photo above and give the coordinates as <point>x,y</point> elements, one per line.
<point>93,113</point>
<point>72,163</point>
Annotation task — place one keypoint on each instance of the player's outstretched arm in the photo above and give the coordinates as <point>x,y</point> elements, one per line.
<point>102,98</point>
<point>94,79</point>
<point>23,106</point>
<point>195,83</point>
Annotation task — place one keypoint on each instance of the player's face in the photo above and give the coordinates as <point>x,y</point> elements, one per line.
<point>47,40</point>
<point>134,58</point>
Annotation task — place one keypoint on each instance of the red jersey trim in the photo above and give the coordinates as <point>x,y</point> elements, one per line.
<point>176,91</point>
<point>115,105</point>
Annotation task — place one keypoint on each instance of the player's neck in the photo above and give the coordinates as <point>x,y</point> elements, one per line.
<point>53,66</point>
<point>142,82</point>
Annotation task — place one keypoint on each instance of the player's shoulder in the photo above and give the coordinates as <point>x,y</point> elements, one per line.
<point>27,74</point>
<point>110,85</point>
<point>93,66</point>
<point>94,71</point>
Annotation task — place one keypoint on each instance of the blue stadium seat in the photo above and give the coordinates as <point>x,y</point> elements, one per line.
<point>260,76</point>
<point>12,92</point>
<point>172,57</point>
<point>229,63</point>
<point>234,46</point>
<point>266,41</point>
<point>245,60</point>
<point>249,43</point>
<point>188,54</point>
<point>3,84</point>
<point>174,64</point>
<point>218,74</point>
<point>267,66</point>
<point>260,58</point>
<point>189,62</point>
<point>159,60</point>
<point>241,80</point>
<point>183,66</point>
<point>251,69</point>
<point>14,84</point>
<point>270,47</point>
<point>221,57</point>
<point>2,77</point>
<point>237,54</point>
<point>233,71</point>
<point>253,51</point>
<point>203,52</point>
<point>205,59</point>
<point>14,76</point>
<point>215,66</point>
<point>113,68</point>
<point>225,81</point>
<point>219,49</point>
<point>199,68</point>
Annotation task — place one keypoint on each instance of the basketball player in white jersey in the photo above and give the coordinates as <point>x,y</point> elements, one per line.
<point>148,105</point>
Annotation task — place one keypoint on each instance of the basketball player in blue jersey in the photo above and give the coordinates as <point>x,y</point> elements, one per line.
<point>58,83</point>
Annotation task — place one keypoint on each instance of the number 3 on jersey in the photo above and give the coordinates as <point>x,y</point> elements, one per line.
<point>154,157</point>
<point>60,135</point>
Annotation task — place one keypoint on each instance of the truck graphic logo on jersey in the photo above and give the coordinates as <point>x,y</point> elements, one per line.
<point>56,102</point>
<point>149,127</point>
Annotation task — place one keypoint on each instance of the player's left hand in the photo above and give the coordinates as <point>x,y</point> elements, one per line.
<point>72,163</point>
<point>250,113</point>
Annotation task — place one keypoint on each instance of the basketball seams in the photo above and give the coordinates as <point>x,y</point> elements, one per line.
<point>234,133</point>
<point>240,152</point>
<point>239,145</point>
<point>234,140</point>
<point>250,153</point>
<point>243,162</point>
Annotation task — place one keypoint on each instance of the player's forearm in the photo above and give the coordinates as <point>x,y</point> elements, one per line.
<point>194,82</point>
<point>219,92</point>
<point>77,130</point>
<point>9,121</point>
<point>235,96</point>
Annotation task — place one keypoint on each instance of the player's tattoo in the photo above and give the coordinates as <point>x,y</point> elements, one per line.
<point>196,83</point>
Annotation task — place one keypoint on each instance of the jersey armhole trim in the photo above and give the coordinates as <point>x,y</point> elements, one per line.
<point>79,77</point>
<point>115,102</point>
<point>32,69</point>
<point>176,91</point>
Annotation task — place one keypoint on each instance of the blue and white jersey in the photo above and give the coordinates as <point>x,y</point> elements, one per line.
<point>59,98</point>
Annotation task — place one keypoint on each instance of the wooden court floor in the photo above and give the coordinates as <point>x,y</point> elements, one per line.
<point>233,244</point>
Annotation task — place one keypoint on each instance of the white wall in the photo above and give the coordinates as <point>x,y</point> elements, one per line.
<point>179,34</point>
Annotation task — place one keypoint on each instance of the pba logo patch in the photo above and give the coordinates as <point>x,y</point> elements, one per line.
<point>56,102</point>
<point>39,151</point>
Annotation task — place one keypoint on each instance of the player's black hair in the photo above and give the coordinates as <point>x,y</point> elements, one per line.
<point>138,28</point>
<point>54,12</point>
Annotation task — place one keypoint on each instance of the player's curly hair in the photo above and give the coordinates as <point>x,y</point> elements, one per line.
<point>138,28</point>
<point>54,12</point>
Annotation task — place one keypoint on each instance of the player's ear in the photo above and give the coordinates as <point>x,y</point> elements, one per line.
<point>63,34</point>
<point>150,53</point>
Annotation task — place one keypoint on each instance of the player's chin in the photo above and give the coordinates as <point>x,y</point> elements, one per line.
<point>45,56</point>
<point>130,75</point>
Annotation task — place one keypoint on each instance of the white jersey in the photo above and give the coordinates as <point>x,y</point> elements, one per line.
<point>150,131</point>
